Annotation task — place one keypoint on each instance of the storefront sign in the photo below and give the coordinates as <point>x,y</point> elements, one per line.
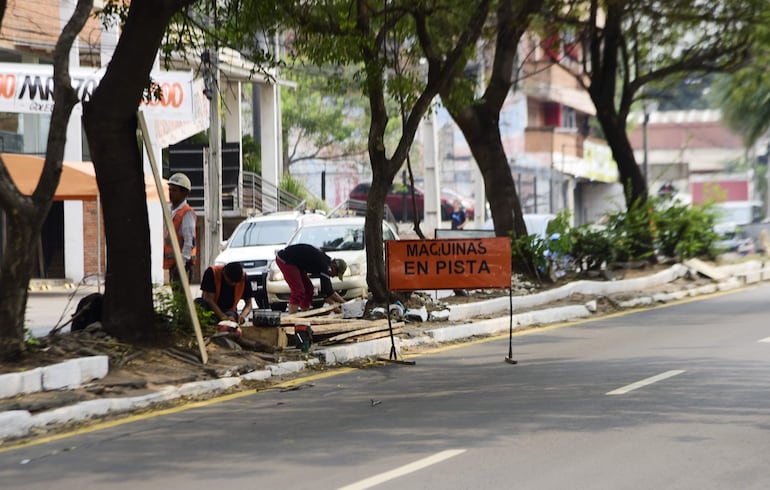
<point>448,264</point>
<point>27,88</point>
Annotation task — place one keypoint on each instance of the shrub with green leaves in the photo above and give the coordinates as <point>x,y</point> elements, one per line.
<point>295,186</point>
<point>630,232</point>
<point>31,342</point>
<point>529,252</point>
<point>172,315</point>
<point>685,231</point>
<point>592,247</point>
<point>564,241</point>
<point>660,226</point>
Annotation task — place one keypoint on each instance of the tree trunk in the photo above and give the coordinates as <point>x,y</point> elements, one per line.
<point>605,55</point>
<point>128,303</point>
<point>483,136</point>
<point>110,123</point>
<point>375,211</point>
<point>479,122</point>
<point>15,273</point>
<point>25,214</point>
<point>631,177</point>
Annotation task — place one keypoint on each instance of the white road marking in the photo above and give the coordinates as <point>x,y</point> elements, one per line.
<point>403,470</point>
<point>648,381</point>
<point>766,339</point>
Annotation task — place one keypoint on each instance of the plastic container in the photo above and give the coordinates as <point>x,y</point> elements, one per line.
<point>266,318</point>
<point>303,335</point>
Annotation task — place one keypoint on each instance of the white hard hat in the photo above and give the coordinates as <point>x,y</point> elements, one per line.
<point>180,180</point>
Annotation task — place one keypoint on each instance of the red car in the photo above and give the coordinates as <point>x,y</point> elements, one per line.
<point>399,200</point>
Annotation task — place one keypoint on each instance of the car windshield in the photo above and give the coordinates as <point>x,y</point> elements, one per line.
<point>268,232</point>
<point>332,238</point>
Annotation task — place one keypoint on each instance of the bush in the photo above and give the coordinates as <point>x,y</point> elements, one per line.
<point>592,248</point>
<point>172,317</point>
<point>295,186</point>
<point>685,231</point>
<point>529,252</point>
<point>660,226</point>
<point>561,235</point>
<point>631,233</point>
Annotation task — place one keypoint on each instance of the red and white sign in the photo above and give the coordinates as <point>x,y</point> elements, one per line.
<point>27,88</point>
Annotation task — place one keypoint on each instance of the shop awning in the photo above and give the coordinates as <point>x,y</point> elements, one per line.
<point>77,182</point>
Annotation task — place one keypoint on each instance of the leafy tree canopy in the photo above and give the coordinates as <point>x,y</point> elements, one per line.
<point>322,118</point>
<point>744,96</point>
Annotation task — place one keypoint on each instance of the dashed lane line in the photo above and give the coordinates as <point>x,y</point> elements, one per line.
<point>403,470</point>
<point>647,381</point>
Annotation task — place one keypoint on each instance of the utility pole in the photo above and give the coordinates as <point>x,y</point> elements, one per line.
<point>212,181</point>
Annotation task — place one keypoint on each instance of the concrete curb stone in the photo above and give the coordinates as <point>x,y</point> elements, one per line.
<point>18,423</point>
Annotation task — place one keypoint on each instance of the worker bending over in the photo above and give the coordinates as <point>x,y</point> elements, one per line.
<point>297,263</point>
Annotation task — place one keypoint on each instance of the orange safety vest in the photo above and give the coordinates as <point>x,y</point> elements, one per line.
<point>168,249</point>
<point>240,286</point>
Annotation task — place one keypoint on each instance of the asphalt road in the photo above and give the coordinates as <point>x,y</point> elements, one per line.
<point>674,398</point>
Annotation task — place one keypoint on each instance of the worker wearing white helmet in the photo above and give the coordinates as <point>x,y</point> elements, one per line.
<point>183,216</point>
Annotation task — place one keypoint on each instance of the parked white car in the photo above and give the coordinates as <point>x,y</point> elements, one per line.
<point>340,238</point>
<point>255,241</point>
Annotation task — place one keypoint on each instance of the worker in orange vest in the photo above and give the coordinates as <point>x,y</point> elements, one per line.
<point>222,288</point>
<point>184,218</point>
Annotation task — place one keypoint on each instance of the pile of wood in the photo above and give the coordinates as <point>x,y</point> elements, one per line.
<point>331,329</point>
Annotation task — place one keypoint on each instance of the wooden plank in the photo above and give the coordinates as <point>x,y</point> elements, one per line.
<point>363,331</point>
<point>372,336</point>
<point>313,312</point>
<point>322,330</point>
<point>321,320</point>
<point>333,328</point>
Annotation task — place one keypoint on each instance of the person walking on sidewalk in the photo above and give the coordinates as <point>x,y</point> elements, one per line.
<point>458,216</point>
<point>183,216</point>
<point>222,288</point>
<point>298,262</point>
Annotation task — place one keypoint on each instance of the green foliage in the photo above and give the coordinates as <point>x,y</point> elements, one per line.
<point>31,343</point>
<point>293,185</point>
<point>530,252</point>
<point>560,228</point>
<point>682,93</point>
<point>252,155</point>
<point>744,95</point>
<point>322,117</point>
<point>111,10</point>
<point>677,230</point>
<point>685,231</point>
<point>636,46</point>
<point>592,248</point>
<point>630,233</point>
<point>296,187</point>
<point>172,316</point>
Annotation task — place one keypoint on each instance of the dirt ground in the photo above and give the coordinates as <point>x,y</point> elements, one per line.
<point>139,370</point>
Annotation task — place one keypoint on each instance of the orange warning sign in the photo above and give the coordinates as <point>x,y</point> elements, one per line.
<point>457,263</point>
